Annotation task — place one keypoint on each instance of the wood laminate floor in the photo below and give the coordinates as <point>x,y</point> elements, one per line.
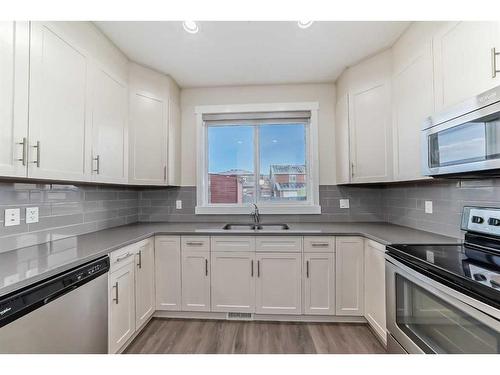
<point>185,336</point>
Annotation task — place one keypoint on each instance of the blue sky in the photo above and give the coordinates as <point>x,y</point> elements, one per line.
<point>231,147</point>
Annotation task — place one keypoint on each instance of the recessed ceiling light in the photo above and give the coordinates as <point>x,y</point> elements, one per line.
<point>305,24</point>
<point>190,26</point>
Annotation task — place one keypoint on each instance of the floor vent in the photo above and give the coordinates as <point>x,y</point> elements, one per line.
<point>239,316</point>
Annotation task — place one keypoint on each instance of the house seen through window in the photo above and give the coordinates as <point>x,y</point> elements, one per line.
<point>257,161</point>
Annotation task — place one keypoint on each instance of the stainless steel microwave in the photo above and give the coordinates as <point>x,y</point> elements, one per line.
<point>464,140</point>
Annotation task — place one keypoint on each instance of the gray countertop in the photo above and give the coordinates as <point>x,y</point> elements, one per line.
<point>22,267</point>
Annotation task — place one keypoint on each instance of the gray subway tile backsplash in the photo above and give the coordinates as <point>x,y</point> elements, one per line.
<point>67,210</point>
<point>64,210</point>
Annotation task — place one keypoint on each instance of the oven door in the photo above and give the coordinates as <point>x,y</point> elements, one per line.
<point>468,143</point>
<point>424,316</point>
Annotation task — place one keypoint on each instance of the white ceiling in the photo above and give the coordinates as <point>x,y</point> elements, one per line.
<point>251,52</point>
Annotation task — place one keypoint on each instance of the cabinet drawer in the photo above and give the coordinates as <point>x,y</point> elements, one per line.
<point>195,243</point>
<point>126,254</point>
<point>319,244</point>
<point>233,243</point>
<point>279,244</point>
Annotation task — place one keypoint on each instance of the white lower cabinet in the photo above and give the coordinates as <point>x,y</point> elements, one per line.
<point>195,279</point>
<point>375,287</point>
<point>319,283</point>
<point>233,281</point>
<point>121,305</point>
<point>349,276</point>
<point>168,272</point>
<point>144,283</point>
<point>278,285</point>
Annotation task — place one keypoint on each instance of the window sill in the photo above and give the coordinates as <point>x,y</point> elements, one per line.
<point>266,210</point>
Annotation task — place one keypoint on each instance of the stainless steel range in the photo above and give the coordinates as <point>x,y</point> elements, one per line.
<point>446,298</point>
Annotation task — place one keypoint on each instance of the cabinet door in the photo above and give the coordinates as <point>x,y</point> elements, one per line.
<point>144,283</point>
<point>109,128</point>
<point>349,276</point>
<point>58,132</point>
<point>413,101</point>
<point>195,280</point>
<point>148,142</point>
<point>168,272</point>
<point>233,281</point>
<point>342,140</point>
<point>174,144</point>
<point>375,287</point>
<point>278,284</point>
<point>14,72</point>
<point>370,134</point>
<point>121,306</point>
<point>463,61</point>
<point>319,283</point>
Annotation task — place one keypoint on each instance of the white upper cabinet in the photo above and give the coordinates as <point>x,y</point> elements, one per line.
<point>413,97</point>
<point>365,106</point>
<point>463,63</point>
<point>14,73</point>
<point>59,139</point>
<point>344,168</point>
<point>154,128</point>
<point>109,101</point>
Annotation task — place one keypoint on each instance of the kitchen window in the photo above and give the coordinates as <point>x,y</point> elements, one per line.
<point>263,154</point>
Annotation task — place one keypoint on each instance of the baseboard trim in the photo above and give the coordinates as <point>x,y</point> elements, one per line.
<point>261,317</point>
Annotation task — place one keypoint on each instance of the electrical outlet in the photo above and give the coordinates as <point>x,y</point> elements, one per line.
<point>344,203</point>
<point>31,215</point>
<point>428,207</point>
<point>178,205</point>
<point>12,216</point>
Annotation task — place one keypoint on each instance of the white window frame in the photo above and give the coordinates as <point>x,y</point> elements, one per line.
<point>311,206</point>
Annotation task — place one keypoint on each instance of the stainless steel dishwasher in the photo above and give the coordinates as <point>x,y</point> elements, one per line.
<point>66,313</point>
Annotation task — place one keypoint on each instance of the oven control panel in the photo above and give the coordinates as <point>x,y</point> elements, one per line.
<point>482,220</point>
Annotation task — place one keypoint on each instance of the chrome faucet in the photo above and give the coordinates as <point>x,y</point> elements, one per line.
<point>256,215</point>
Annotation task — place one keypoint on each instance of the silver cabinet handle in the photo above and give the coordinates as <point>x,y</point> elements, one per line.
<point>122,257</point>
<point>352,169</point>
<point>320,244</point>
<point>307,268</point>
<point>140,260</point>
<point>116,293</point>
<point>258,268</point>
<point>165,173</point>
<point>251,268</point>
<point>37,161</point>
<point>206,267</point>
<point>24,143</point>
<point>194,243</point>
<point>494,55</point>
<point>97,160</point>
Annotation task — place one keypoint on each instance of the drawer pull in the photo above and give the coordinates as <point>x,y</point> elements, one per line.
<point>140,260</point>
<point>258,268</point>
<point>307,269</point>
<point>320,244</point>
<point>194,243</point>
<point>251,268</point>
<point>122,257</point>
<point>206,267</point>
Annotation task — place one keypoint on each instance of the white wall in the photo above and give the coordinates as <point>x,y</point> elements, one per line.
<point>324,94</point>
